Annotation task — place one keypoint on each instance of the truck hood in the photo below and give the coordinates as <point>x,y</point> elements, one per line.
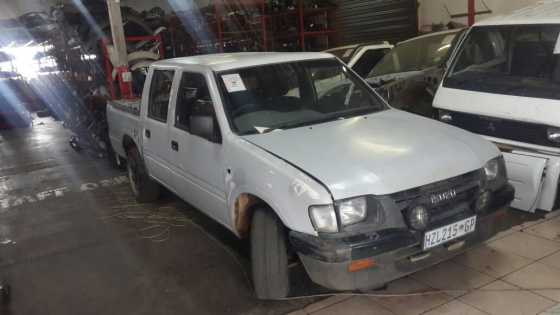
<point>378,154</point>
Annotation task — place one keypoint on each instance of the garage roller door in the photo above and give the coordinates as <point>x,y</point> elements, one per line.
<point>359,21</point>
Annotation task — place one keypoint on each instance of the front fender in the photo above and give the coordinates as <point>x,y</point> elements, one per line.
<point>286,189</point>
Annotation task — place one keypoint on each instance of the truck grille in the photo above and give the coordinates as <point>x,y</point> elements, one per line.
<point>466,188</point>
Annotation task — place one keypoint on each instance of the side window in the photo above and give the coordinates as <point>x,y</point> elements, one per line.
<point>368,60</point>
<point>193,100</point>
<point>160,92</point>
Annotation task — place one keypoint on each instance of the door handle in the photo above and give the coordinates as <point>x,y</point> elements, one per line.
<point>174,145</point>
<point>148,133</point>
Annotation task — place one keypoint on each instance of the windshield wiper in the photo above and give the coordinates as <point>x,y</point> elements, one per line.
<point>327,118</point>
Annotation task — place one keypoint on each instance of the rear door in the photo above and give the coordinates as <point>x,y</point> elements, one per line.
<point>155,133</point>
<point>198,165</point>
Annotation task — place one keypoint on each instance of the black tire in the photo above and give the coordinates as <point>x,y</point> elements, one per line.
<point>269,256</point>
<point>144,188</point>
<point>6,293</point>
<point>114,160</point>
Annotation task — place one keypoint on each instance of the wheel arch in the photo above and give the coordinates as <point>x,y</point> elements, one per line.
<point>244,206</point>
<point>128,142</point>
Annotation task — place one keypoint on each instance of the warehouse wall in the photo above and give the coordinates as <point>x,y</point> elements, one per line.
<point>358,21</point>
<point>435,12</point>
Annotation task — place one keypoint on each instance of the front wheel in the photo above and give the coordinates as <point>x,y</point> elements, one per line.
<point>144,188</point>
<point>5,292</point>
<point>269,256</point>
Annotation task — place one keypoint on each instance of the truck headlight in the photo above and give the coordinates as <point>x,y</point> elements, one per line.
<point>352,211</point>
<point>323,218</point>
<point>495,173</point>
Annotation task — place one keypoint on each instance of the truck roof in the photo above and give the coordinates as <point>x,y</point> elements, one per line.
<point>544,12</point>
<point>222,62</point>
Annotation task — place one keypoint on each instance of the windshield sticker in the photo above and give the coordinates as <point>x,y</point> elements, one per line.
<point>233,83</point>
<point>347,53</point>
<point>557,46</point>
<point>262,129</point>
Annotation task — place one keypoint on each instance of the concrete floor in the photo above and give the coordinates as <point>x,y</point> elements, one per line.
<point>73,241</point>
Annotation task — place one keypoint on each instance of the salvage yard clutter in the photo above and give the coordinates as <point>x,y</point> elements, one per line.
<point>279,157</point>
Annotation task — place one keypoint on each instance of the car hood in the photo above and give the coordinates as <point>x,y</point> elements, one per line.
<point>378,154</point>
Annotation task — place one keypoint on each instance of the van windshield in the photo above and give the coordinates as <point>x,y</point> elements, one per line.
<point>289,95</point>
<point>518,60</point>
<point>416,55</point>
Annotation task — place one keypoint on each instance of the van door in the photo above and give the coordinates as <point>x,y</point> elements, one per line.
<point>198,164</point>
<point>155,133</point>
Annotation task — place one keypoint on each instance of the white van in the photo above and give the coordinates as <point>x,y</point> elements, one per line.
<point>503,82</point>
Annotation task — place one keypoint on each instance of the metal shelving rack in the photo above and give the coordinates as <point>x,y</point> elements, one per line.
<point>261,22</point>
<point>228,32</point>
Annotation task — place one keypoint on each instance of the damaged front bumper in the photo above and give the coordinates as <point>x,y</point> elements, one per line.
<point>391,253</point>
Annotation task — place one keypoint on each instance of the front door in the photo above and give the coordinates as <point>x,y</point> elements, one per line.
<point>157,152</point>
<point>198,164</point>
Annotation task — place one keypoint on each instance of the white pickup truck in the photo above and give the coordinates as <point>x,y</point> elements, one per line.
<point>298,154</point>
<point>503,82</point>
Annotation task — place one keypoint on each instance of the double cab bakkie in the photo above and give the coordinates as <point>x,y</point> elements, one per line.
<point>504,83</point>
<point>299,155</point>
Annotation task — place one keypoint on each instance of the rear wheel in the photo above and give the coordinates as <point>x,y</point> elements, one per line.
<point>144,188</point>
<point>269,255</point>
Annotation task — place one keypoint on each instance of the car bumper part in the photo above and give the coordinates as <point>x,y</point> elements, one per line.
<point>391,254</point>
<point>535,178</point>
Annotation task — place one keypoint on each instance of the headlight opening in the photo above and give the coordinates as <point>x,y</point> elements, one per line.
<point>495,174</point>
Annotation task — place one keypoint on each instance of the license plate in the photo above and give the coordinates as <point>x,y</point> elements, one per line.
<point>449,232</point>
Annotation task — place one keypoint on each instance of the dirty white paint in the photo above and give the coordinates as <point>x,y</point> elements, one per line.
<point>14,201</point>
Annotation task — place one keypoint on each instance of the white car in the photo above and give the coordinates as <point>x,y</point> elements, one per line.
<point>504,83</point>
<point>361,57</point>
<point>361,193</point>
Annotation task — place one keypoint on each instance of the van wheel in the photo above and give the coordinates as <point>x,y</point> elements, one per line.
<point>144,188</point>
<point>269,256</point>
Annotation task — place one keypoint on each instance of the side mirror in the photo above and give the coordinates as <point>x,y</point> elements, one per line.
<point>204,127</point>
